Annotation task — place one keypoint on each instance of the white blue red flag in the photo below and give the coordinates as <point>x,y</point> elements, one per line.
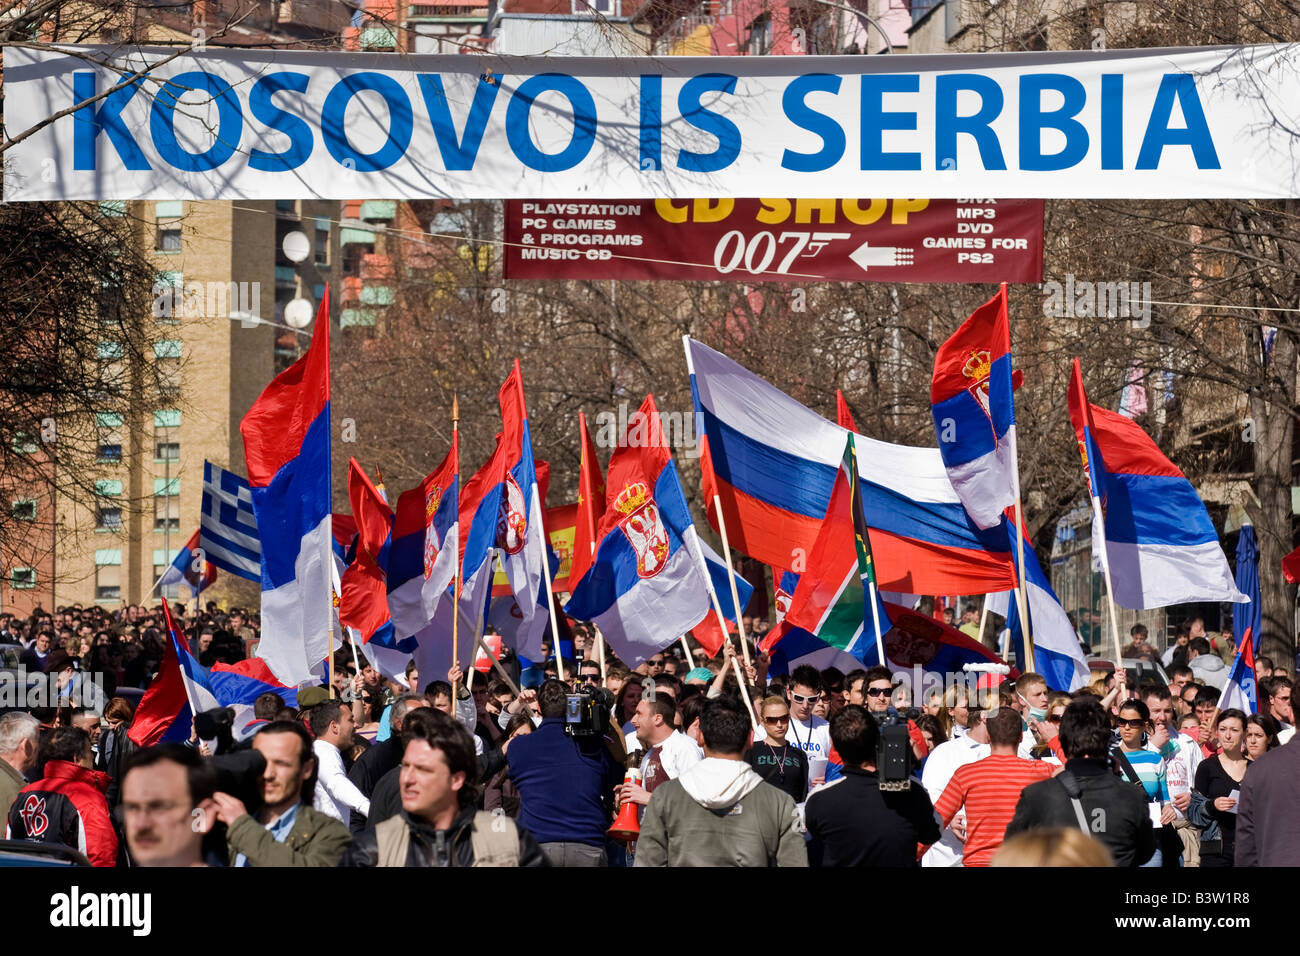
<point>648,585</point>
<point>772,462</point>
<point>189,569</point>
<point>424,546</point>
<point>287,449</point>
<point>1239,689</point>
<point>974,413</point>
<point>1161,546</point>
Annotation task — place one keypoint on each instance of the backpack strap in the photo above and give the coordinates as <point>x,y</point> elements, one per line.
<point>392,840</point>
<point>1125,766</point>
<point>495,839</point>
<point>1074,791</point>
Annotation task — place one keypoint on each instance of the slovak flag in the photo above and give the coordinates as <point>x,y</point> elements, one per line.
<point>287,450</point>
<point>183,571</point>
<point>974,413</point>
<point>1239,688</point>
<point>520,537</point>
<point>648,584</point>
<point>1160,543</point>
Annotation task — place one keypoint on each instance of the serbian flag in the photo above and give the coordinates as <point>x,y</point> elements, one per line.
<point>189,569</point>
<point>836,602</point>
<point>287,450</point>
<point>177,692</point>
<point>648,584</point>
<point>773,464</point>
<point>521,536</point>
<point>1158,539</point>
<point>238,686</point>
<point>974,413</point>
<point>423,547</point>
<point>591,504</point>
<point>784,584</point>
<point>1239,688</point>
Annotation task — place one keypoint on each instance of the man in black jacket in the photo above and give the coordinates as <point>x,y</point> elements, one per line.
<point>438,824</point>
<point>1087,795</point>
<point>855,823</point>
<point>383,756</point>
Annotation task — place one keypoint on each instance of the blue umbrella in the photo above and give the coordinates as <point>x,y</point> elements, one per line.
<point>1248,616</point>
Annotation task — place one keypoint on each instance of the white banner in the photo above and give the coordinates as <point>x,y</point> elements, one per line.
<point>239,124</point>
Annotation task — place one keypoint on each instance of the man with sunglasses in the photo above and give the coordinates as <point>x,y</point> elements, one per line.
<point>879,683</point>
<point>806,730</point>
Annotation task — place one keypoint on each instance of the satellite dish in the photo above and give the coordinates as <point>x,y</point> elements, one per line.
<point>296,246</point>
<point>298,313</point>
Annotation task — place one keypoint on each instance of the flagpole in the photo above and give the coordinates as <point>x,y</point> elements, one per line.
<point>550,607</point>
<point>455,613</point>
<point>1099,520</point>
<point>731,579</point>
<point>722,623</point>
<point>505,675</point>
<point>984,616</point>
<point>875,619</point>
<point>600,652</point>
<point>690,661</point>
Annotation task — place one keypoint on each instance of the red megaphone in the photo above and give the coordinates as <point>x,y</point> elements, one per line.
<point>626,826</point>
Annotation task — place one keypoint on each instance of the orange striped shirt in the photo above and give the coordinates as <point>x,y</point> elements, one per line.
<point>989,789</point>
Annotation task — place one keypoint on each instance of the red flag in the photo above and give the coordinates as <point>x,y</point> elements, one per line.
<point>591,504</point>
<point>363,603</point>
<point>165,700</point>
<point>843,415</point>
<point>1291,566</point>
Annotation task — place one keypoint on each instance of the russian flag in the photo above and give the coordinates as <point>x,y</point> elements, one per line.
<point>648,584</point>
<point>287,450</point>
<point>773,463</point>
<point>1239,688</point>
<point>177,692</point>
<point>974,414</point>
<point>1160,544</point>
<point>183,571</point>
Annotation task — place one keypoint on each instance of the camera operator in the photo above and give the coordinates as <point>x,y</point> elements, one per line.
<point>286,831</point>
<point>879,685</point>
<point>565,783</point>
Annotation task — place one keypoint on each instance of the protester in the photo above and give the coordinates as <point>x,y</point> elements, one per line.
<point>1052,847</point>
<point>439,824</point>
<point>167,805</point>
<point>1260,736</point>
<point>500,791</point>
<point>667,752</point>
<point>719,812</point>
<point>287,830</point>
<point>19,742</point>
<point>382,756</point>
<point>333,724</point>
<point>1275,700</point>
<point>988,789</point>
<point>1182,755</point>
<point>1086,794</point>
<point>935,776</point>
<point>879,683</point>
<point>565,784</point>
<point>1144,768</point>
<point>1207,666</point>
<point>1267,831</point>
<point>1219,779</point>
<point>773,758</point>
<point>853,821</point>
<point>807,731</point>
<point>67,805</point>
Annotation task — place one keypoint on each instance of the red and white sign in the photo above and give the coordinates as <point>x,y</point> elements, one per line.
<point>777,240</point>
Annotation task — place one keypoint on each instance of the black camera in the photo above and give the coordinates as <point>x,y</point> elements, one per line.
<point>217,724</point>
<point>586,711</point>
<point>894,754</point>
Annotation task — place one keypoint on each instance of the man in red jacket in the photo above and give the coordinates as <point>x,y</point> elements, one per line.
<point>67,806</point>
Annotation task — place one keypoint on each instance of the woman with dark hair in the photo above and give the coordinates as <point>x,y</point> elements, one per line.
<point>500,791</point>
<point>1261,735</point>
<point>1218,779</point>
<point>629,695</point>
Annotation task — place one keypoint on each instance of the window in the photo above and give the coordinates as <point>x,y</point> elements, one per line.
<point>108,519</point>
<point>108,487</point>
<point>760,36</point>
<point>167,418</point>
<point>108,575</point>
<point>166,504</point>
<point>168,216</point>
<point>108,428</point>
<point>167,451</point>
<point>22,578</point>
<point>169,376</point>
<point>24,509</point>
<point>161,562</point>
<point>112,370</point>
<point>322,243</point>
<point>24,444</point>
<point>285,205</point>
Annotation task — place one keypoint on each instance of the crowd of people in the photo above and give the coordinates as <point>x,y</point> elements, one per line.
<point>706,761</point>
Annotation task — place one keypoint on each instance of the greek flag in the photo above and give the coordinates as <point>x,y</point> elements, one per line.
<point>227,528</point>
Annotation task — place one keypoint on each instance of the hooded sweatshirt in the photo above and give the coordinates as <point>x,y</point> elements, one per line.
<point>1210,670</point>
<point>720,812</point>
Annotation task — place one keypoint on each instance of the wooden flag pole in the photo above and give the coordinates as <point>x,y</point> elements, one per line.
<point>984,616</point>
<point>1099,521</point>
<point>722,623</point>
<point>690,661</point>
<point>455,610</point>
<point>1021,593</point>
<point>600,652</point>
<point>550,606</point>
<point>731,579</point>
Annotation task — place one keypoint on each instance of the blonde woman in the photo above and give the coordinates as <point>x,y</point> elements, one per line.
<point>954,716</point>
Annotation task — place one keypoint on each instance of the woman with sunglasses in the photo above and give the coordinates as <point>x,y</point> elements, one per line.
<point>1143,767</point>
<point>773,758</point>
<point>1218,778</point>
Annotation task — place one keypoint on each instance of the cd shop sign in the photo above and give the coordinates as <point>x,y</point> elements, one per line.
<point>239,124</point>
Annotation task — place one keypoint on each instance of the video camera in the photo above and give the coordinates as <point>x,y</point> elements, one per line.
<point>893,753</point>
<point>587,710</point>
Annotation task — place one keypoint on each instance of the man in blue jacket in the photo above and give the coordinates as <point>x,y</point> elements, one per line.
<point>565,785</point>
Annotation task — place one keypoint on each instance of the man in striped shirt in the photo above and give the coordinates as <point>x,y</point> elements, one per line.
<point>989,788</point>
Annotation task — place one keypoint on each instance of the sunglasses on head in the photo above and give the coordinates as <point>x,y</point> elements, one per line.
<point>800,699</point>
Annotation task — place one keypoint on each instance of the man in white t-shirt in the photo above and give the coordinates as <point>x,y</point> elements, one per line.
<point>808,732</point>
<point>666,750</point>
<point>939,768</point>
